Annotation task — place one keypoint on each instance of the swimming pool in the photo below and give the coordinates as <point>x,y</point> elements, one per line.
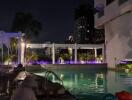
<point>82,82</point>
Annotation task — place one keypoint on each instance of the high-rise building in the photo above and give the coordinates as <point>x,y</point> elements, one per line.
<point>89,3</point>
<point>84,24</point>
<point>115,16</point>
<point>84,31</point>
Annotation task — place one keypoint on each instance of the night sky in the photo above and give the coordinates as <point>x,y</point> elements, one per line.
<point>57,16</point>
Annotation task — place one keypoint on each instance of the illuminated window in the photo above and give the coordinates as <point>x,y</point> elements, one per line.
<point>88,31</point>
<point>81,27</point>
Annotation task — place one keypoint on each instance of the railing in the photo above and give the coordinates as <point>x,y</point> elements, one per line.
<point>48,72</point>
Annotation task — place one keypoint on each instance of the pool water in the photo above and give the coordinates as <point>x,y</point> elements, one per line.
<point>83,83</point>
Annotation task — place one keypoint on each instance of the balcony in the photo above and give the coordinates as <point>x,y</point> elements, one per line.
<point>112,11</point>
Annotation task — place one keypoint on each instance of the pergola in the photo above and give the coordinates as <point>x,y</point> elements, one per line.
<point>73,46</point>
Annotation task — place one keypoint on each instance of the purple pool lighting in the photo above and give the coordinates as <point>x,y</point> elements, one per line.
<point>93,62</point>
<point>65,62</point>
<point>83,62</point>
<point>39,62</point>
<point>123,62</point>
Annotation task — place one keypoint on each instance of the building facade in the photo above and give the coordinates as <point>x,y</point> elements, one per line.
<point>84,31</point>
<point>115,17</point>
<point>83,24</point>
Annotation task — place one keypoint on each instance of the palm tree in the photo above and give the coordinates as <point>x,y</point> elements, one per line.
<point>13,45</point>
<point>26,23</point>
<point>31,56</point>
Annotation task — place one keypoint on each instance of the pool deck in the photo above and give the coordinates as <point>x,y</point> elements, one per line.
<point>94,67</point>
<point>52,86</point>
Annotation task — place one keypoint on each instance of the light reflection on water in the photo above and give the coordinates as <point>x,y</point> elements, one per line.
<point>83,82</point>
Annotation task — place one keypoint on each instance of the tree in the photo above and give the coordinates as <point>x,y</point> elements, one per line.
<point>31,56</point>
<point>13,45</point>
<point>26,23</point>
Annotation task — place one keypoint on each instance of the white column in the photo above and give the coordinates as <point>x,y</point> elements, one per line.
<point>53,53</point>
<point>75,53</point>
<point>95,52</point>
<point>22,51</point>
<point>8,53</point>
<point>103,53</point>
<point>70,52</point>
<point>2,53</point>
<point>19,50</point>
